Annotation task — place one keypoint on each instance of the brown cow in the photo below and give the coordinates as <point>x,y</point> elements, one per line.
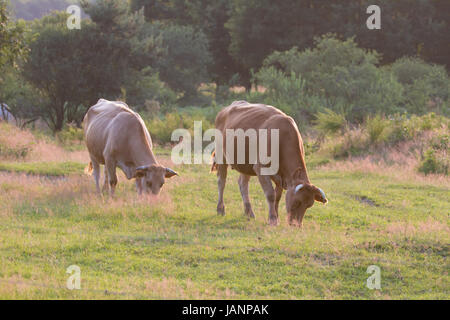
<point>117,137</point>
<point>291,174</point>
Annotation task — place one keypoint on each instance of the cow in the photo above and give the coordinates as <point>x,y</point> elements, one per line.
<point>291,174</point>
<point>116,136</point>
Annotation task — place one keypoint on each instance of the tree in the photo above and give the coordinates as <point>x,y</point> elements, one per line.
<point>183,66</point>
<point>340,75</point>
<point>12,47</point>
<point>408,27</point>
<point>203,16</point>
<point>72,69</point>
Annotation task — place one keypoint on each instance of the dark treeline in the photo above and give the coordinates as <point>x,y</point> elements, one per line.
<point>160,54</point>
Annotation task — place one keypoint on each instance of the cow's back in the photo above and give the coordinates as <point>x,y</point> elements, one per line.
<point>244,115</point>
<point>111,124</point>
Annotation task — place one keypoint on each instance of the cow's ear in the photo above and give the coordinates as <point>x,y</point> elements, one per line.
<point>170,173</point>
<point>319,195</point>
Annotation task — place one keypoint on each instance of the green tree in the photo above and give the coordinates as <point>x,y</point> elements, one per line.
<point>12,47</point>
<point>72,69</point>
<point>408,27</point>
<point>208,17</point>
<point>186,58</point>
<point>339,75</point>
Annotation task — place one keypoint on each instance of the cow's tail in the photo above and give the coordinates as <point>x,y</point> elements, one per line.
<point>214,164</point>
<point>89,169</point>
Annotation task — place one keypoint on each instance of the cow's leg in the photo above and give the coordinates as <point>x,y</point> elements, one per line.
<point>243,187</point>
<point>269,192</point>
<point>222,177</point>
<point>110,165</point>
<point>278,194</point>
<point>139,185</point>
<point>96,174</point>
<point>105,180</point>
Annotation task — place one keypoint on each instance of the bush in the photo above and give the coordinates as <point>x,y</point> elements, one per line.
<point>434,163</point>
<point>146,92</point>
<point>379,136</point>
<point>426,86</point>
<point>340,76</point>
<point>161,128</point>
<point>330,122</point>
<point>71,136</point>
<point>350,144</point>
<point>343,76</point>
<point>376,128</point>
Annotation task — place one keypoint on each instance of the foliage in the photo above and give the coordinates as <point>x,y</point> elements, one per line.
<point>74,68</point>
<point>185,58</point>
<point>161,128</point>
<point>71,135</point>
<point>36,9</point>
<point>206,16</point>
<point>21,98</point>
<point>330,122</point>
<point>11,37</point>
<point>260,27</point>
<point>433,163</point>
<point>344,78</point>
<point>424,138</point>
<point>146,92</point>
<point>426,86</point>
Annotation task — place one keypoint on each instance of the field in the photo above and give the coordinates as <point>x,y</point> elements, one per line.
<point>176,247</point>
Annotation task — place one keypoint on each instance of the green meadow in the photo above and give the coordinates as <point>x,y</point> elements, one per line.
<point>176,247</point>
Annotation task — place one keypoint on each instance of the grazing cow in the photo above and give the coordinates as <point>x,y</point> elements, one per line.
<point>117,137</point>
<point>291,174</point>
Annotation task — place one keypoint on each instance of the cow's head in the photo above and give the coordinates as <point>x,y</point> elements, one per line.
<point>153,177</point>
<point>299,198</point>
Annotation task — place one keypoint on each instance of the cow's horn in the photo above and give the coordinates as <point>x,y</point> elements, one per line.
<point>323,194</point>
<point>171,171</point>
<point>297,188</point>
<point>142,168</point>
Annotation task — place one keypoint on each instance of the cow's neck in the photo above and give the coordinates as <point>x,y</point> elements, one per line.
<point>292,162</point>
<point>292,167</point>
<point>144,158</point>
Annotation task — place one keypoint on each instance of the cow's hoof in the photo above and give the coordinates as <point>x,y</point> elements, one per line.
<point>248,211</point>
<point>295,224</point>
<point>250,215</point>
<point>273,221</point>
<point>221,211</point>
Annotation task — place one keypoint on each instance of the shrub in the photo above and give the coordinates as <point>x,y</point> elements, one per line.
<point>426,86</point>
<point>340,74</point>
<point>434,163</point>
<point>71,135</point>
<point>161,128</point>
<point>330,122</point>
<point>376,128</point>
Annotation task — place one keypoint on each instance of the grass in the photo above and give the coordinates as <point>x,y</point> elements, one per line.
<point>52,169</point>
<point>176,247</point>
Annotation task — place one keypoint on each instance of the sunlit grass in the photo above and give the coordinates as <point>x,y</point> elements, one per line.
<point>44,168</point>
<point>175,246</point>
